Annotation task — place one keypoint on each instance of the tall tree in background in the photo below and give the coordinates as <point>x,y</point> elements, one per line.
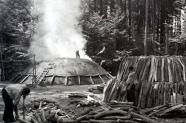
<point>146,26</point>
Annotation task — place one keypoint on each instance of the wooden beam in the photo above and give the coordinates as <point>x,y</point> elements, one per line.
<point>79,80</point>
<point>53,78</point>
<point>101,79</point>
<point>66,80</point>
<point>92,80</point>
<point>25,78</point>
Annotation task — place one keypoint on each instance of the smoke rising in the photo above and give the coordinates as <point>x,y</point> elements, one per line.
<point>58,34</point>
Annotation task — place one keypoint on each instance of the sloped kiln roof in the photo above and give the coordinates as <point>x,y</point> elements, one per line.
<point>66,67</point>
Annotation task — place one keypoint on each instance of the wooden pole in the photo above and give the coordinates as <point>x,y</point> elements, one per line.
<point>34,71</point>
<point>23,108</point>
<point>2,62</point>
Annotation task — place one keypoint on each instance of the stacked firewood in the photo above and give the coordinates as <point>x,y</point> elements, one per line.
<point>172,110</point>
<point>46,111</point>
<point>120,112</point>
<point>154,68</point>
<point>158,80</point>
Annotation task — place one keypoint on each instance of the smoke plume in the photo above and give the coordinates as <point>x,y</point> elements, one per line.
<point>58,34</point>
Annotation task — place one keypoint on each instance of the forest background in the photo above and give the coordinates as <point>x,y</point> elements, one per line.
<point>113,29</point>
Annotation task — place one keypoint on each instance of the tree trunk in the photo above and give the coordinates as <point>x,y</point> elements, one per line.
<point>105,8</point>
<point>112,6</point>
<point>146,27</point>
<point>96,5</point>
<point>153,25</point>
<point>101,7</point>
<point>162,26</point>
<point>129,8</point>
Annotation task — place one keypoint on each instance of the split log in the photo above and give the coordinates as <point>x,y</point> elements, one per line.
<point>110,113</point>
<point>95,112</point>
<point>117,117</point>
<point>85,112</point>
<point>171,109</point>
<point>38,118</point>
<point>43,116</point>
<point>111,121</point>
<point>148,110</point>
<point>114,102</point>
<point>144,118</point>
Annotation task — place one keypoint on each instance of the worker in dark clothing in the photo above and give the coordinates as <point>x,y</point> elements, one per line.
<point>127,86</point>
<point>130,85</point>
<point>77,54</point>
<point>11,95</point>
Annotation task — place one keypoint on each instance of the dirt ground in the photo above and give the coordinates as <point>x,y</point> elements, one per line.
<point>59,93</point>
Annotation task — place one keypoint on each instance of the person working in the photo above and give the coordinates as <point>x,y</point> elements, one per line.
<point>130,85</point>
<point>126,88</point>
<point>11,95</point>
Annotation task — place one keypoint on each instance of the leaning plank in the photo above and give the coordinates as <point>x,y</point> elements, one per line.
<point>22,81</point>
<point>53,77</point>
<point>79,80</point>
<point>92,81</point>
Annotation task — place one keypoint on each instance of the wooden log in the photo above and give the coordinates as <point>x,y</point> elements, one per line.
<point>95,112</point>
<point>171,109</point>
<point>144,118</point>
<point>101,121</point>
<point>113,102</point>
<point>111,121</point>
<point>38,118</point>
<point>108,113</point>
<point>43,116</point>
<point>34,120</point>
<point>117,117</point>
<point>159,110</point>
<point>148,110</point>
<point>86,111</point>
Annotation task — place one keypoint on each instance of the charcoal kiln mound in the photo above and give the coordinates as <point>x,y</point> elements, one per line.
<point>158,80</point>
<point>67,71</point>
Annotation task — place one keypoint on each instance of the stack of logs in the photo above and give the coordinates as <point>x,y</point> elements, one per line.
<point>47,111</point>
<point>120,112</point>
<point>158,80</point>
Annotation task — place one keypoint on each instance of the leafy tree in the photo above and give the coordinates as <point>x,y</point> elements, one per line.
<point>16,27</point>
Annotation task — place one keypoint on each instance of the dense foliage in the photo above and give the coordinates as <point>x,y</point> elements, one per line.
<point>16,28</point>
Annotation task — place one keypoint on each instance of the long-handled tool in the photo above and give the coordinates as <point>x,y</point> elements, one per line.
<point>23,108</point>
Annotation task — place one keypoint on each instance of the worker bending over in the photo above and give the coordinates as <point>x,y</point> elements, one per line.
<point>11,95</point>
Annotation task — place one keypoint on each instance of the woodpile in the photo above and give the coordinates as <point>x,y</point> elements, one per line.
<point>158,80</point>
<point>45,111</point>
<point>120,112</point>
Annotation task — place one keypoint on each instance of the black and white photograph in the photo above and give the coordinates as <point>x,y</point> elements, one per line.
<point>92,61</point>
